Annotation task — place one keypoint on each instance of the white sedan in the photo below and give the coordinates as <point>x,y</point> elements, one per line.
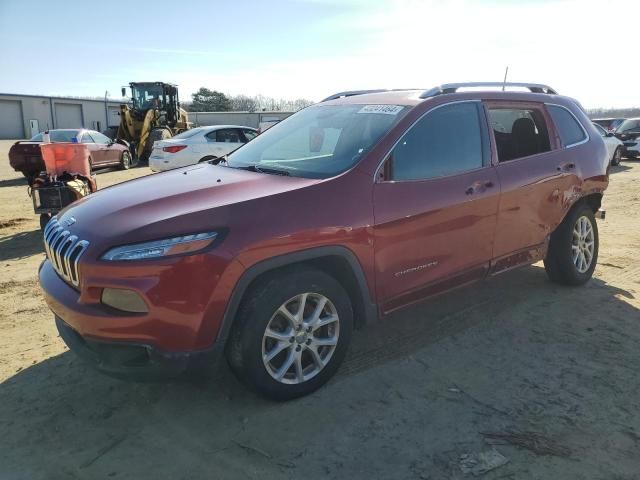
<point>199,144</point>
<point>614,146</point>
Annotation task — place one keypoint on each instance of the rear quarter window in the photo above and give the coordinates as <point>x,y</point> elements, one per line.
<point>570,130</point>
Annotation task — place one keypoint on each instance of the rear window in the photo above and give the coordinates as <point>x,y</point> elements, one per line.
<point>188,133</point>
<point>57,136</point>
<point>571,132</point>
<point>628,125</point>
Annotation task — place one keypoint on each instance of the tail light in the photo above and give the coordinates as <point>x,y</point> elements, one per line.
<point>174,148</point>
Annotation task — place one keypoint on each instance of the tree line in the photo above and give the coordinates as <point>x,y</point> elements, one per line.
<point>205,100</point>
<point>613,112</point>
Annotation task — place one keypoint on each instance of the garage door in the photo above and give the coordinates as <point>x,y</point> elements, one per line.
<point>11,125</point>
<point>114,117</point>
<point>68,115</point>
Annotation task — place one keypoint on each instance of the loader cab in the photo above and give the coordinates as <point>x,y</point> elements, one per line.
<point>157,96</point>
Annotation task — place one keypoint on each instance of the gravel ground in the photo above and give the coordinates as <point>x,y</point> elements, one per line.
<point>549,373</point>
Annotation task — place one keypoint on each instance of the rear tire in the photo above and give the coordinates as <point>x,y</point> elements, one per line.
<point>125,161</point>
<point>287,355</point>
<point>573,248</point>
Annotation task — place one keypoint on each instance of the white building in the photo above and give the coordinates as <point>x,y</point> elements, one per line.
<point>22,116</point>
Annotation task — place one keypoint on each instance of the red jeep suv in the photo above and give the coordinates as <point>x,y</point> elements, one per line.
<point>347,210</point>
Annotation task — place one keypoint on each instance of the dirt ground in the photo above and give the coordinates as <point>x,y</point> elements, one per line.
<point>552,370</point>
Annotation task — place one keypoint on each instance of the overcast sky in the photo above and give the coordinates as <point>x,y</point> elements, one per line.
<point>312,48</point>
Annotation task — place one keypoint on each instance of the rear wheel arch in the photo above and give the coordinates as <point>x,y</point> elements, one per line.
<point>339,262</point>
<point>594,200</point>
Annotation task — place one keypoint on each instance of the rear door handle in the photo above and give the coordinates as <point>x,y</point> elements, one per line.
<point>566,167</point>
<point>478,187</point>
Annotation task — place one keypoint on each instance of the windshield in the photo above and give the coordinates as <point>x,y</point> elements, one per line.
<point>147,96</point>
<point>628,125</point>
<point>57,136</point>
<point>320,141</point>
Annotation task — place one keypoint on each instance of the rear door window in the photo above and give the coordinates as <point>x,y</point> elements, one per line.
<point>518,132</point>
<point>570,130</point>
<point>446,141</point>
<point>227,135</point>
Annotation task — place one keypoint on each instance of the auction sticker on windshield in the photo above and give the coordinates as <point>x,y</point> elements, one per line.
<point>385,109</point>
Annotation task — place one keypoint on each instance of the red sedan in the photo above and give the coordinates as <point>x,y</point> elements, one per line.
<point>25,156</point>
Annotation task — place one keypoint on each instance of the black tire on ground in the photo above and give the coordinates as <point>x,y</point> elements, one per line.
<point>44,219</point>
<point>617,156</point>
<point>155,135</point>
<point>560,264</point>
<point>125,160</point>
<point>111,132</point>
<point>258,308</point>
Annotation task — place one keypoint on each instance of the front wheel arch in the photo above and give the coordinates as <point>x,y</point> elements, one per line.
<point>337,261</point>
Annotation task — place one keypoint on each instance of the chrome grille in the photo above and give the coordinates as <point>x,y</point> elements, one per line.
<point>63,250</point>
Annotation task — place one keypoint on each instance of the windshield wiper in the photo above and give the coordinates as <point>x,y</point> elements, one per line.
<point>273,171</point>
<point>255,168</point>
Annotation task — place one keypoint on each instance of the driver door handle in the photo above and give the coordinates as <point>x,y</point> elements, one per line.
<point>478,187</point>
<point>565,167</point>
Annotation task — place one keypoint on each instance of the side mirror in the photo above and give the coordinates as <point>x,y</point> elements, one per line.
<point>124,91</point>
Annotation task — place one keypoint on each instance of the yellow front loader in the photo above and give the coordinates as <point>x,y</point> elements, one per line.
<point>154,114</point>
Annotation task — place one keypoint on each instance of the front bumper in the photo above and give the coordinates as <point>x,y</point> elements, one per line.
<point>180,328</point>
<point>631,147</point>
<point>133,361</point>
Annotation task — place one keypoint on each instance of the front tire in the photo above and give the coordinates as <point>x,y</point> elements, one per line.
<point>573,248</point>
<point>291,333</point>
<point>617,157</point>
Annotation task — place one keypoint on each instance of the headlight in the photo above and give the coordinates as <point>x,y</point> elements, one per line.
<point>161,248</point>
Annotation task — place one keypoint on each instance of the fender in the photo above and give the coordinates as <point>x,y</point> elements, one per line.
<point>370,309</point>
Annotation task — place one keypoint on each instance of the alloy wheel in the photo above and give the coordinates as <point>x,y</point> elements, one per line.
<point>617,157</point>
<point>300,338</point>
<point>582,244</point>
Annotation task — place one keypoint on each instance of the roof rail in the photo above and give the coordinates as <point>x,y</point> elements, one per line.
<point>453,87</point>
<point>351,93</point>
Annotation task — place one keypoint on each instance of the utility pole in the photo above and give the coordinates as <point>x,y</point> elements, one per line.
<point>106,110</point>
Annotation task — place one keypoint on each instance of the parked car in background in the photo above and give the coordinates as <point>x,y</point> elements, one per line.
<point>349,210</point>
<point>629,133</point>
<point>614,145</point>
<point>25,156</point>
<point>609,124</point>
<point>197,145</point>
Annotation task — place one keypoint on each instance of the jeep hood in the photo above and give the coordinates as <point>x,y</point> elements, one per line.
<point>185,200</point>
